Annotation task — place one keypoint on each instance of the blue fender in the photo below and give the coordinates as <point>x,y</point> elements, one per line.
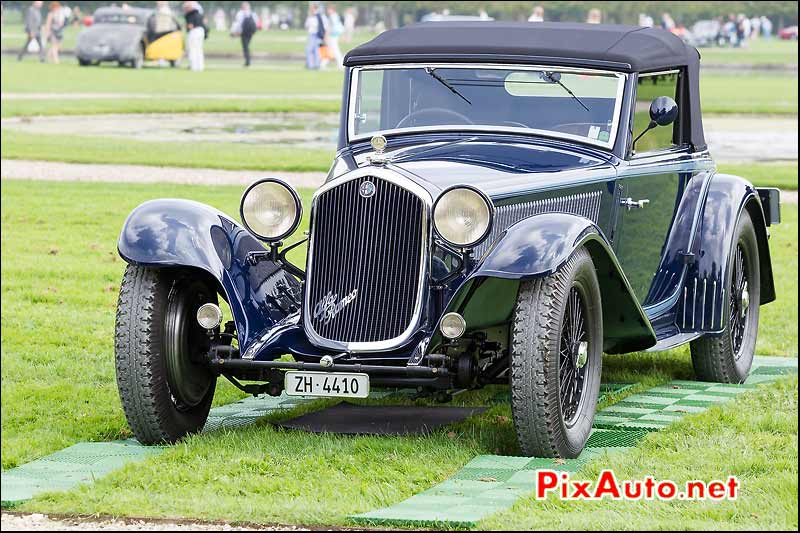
<point>538,246</point>
<point>181,233</point>
<point>702,304</point>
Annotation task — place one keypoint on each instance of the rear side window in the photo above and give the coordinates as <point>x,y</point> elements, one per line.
<point>649,87</point>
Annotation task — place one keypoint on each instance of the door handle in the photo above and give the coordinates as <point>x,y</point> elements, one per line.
<point>630,203</point>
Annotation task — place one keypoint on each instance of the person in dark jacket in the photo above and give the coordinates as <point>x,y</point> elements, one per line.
<point>33,30</point>
<point>196,34</point>
<point>245,25</point>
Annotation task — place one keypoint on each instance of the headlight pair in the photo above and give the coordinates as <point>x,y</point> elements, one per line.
<point>271,209</point>
<point>463,216</point>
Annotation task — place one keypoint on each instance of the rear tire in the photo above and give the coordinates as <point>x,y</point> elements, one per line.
<point>165,389</point>
<point>556,358</point>
<point>727,357</point>
<point>84,62</point>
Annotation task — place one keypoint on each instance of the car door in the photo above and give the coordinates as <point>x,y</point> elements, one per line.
<point>649,186</point>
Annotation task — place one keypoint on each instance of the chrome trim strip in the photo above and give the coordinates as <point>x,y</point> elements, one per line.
<point>616,119</point>
<point>389,344</point>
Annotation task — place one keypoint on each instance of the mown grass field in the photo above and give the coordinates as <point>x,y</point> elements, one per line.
<point>722,92</point>
<point>60,276</point>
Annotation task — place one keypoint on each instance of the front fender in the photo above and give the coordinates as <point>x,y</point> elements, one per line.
<point>703,302</point>
<point>185,234</point>
<point>538,246</point>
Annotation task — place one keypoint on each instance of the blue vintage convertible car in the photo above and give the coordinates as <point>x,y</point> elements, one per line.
<point>508,201</point>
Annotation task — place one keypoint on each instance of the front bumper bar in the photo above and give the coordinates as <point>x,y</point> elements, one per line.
<point>380,375</point>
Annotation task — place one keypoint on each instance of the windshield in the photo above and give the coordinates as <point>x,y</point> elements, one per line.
<point>565,103</point>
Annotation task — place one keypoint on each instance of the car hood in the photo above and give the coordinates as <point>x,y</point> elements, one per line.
<point>499,168</point>
<point>116,36</point>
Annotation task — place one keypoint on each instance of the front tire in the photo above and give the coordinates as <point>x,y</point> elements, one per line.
<point>556,358</point>
<point>727,357</point>
<point>165,389</point>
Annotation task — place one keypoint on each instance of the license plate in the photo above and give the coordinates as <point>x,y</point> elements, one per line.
<point>326,384</point>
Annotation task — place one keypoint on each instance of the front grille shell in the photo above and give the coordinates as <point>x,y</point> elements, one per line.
<point>359,341</point>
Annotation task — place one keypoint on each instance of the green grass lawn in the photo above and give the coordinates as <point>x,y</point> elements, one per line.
<point>760,52</point>
<point>781,175</point>
<point>35,77</point>
<point>60,278</point>
<point>756,93</point>
<point>234,156</point>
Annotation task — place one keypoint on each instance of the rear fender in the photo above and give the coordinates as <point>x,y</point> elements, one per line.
<point>538,246</point>
<point>185,234</point>
<point>702,305</point>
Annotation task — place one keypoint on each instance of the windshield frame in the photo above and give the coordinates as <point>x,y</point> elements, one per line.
<point>622,79</point>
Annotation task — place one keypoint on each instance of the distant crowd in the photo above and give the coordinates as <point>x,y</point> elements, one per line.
<point>325,28</point>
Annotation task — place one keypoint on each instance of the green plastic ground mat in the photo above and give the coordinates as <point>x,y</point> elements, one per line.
<point>81,463</point>
<point>489,483</point>
<point>88,461</point>
<point>606,389</point>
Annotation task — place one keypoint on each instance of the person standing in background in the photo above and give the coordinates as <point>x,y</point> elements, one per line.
<point>315,27</point>
<point>595,16</point>
<point>245,25</point>
<point>349,24</point>
<point>196,34</point>
<point>219,19</point>
<point>537,15</point>
<point>335,30</point>
<point>33,30</point>
<point>766,27</point>
<point>54,30</point>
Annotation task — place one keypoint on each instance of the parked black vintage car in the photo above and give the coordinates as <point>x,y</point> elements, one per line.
<point>508,202</point>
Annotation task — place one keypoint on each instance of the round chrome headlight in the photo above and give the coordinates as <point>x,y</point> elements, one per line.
<point>463,216</point>
<point>271,209</point>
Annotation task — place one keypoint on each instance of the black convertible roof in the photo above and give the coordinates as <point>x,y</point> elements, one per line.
<point>604,46</point>
<point>613,47</point>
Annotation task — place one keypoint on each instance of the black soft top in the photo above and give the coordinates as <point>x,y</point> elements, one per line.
<point>613,47</point>
<point>608,46</point>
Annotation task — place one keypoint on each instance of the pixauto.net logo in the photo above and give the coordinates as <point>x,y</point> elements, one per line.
<point>608,486</point>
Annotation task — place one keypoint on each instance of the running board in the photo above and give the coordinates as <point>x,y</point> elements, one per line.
<point>673,341</point>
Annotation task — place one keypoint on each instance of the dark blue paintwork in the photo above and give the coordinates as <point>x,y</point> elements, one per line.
<point>182,233</point>
<point>647,260</point>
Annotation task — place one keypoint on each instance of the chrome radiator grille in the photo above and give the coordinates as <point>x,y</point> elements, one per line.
<point>365,262</point>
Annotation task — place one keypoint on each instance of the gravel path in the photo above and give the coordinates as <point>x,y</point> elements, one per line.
<point>40,522</point>
<point>55,171</point>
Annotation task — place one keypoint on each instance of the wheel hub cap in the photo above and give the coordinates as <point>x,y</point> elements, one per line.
<point>583,354</point>
<point>745,299</point>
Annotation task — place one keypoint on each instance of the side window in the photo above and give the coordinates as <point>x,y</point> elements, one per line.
<point>650,86</point>
<point>368,105</point>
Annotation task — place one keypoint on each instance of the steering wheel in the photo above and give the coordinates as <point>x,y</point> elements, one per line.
<point>407,120</point>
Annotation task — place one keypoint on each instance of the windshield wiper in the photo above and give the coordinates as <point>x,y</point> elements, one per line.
<point>432,72</point>
<point>555,77</point>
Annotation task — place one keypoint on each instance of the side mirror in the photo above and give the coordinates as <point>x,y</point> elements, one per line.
<point>663,112</point>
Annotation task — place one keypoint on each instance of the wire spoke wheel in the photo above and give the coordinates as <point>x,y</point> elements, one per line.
<point>572,363</point>
<point>739,301</point>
